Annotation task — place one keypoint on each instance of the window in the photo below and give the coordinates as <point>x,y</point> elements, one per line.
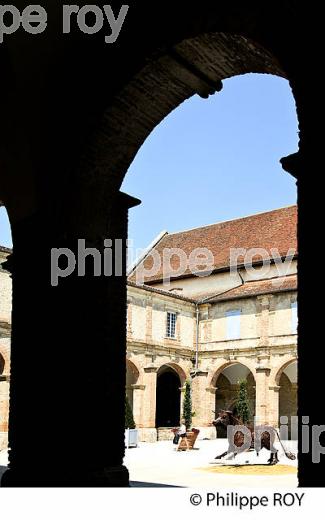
<point>171,325</point>
<point>233,324</point>
<point>294,317</point>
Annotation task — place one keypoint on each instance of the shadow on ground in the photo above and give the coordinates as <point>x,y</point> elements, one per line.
<point>151,484</point>
<point>132,484</point>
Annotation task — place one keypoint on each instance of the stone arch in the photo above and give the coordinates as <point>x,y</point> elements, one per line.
<point>132,378</point>
<point>259,24</point>
<point>179,370</point>
<point>195,65</point>
<point>4,359</point>
<point>282,368</point>
<point>225,381</point>
<point>216,372</point>
<point>132,366</point>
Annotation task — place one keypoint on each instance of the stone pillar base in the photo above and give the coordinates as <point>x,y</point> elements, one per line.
<point>147,435</point>
<point>117,476</point>
<point>206,432</point>
<point>165,434</point>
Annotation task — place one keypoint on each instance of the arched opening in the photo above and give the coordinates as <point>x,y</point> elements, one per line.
<point>132,376</point>
<point>288,406</point>
<point>197,179</point>
<point>227,387</point>
<point>196,65</point>
<point>143,104</point>
<point>168,398</point>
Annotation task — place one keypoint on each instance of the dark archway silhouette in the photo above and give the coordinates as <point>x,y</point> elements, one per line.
<point>168,400</point>
<point>65,185</point>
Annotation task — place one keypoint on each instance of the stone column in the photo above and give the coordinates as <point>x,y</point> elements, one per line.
<point>129,319</point>
<point>211,407</point>
<point>261,379</point>
<point>71,431</point>
<point>273,407</point>
<point>138,404</point>
<point>203,404</point>
<point>148,416</point>
<point>263,324</point>
<point>182,393</point>
<point>294,420</point>
<point>263,370</point>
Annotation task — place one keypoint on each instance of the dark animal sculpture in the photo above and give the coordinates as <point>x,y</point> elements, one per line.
<point>237,438</point>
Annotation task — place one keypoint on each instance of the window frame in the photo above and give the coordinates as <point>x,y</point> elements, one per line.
<point>170,326</point>
<point>228,314</point>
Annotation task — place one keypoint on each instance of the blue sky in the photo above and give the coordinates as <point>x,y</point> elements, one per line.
<point>212,160</point>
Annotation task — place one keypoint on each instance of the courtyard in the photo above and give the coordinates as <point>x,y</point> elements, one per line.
<point>158,464</point>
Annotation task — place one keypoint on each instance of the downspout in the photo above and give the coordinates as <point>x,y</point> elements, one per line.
<point>197,337</point>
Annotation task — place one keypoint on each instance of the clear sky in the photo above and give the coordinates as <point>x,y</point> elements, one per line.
<point>5,233</point>
<point>212,160</point>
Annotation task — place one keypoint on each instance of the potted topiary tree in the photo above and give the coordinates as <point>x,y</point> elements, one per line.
<point>242,403</point>
<point>131,432</point>
<point>187,406</point>
<point>188,414</point>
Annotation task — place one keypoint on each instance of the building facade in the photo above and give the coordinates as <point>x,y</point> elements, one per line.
<point>215,328</point>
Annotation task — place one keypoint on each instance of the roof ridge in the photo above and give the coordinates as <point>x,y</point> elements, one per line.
<point>146,251</point>
<point>233,219</point>
<point>271,278</point>
<point>160,291</point>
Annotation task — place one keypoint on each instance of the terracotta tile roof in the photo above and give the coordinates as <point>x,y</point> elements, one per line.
<point>259,287</point>
<point>247,290</point>
<point>273,229</point>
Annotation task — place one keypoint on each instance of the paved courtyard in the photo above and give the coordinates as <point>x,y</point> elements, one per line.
<point>157,464</point>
